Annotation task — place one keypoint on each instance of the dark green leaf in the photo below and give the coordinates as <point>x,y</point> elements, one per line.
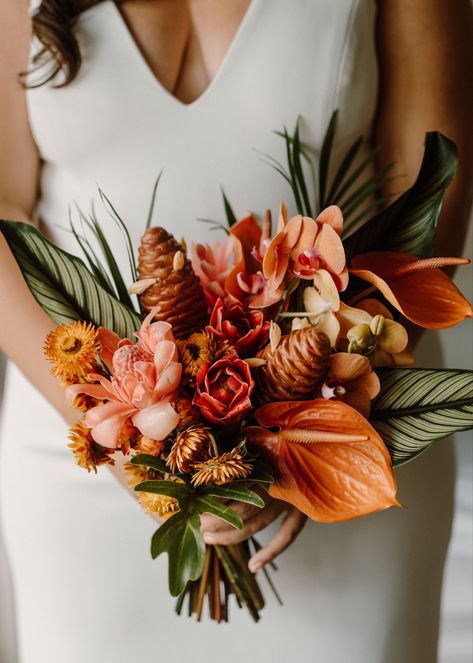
<point>292,172</point>
<point>408,225</point>
<point>231,218</point>
<point>63,285</point>
<point>237,493</point>
<point>122,226</point>
<point>344,168</point>
<point>296,157</point>
<point>153,462</point>
<point>179,491</point>
<point>153,201</point>
<point>417,406</point>
<point>181,538</point>
<point>325,154</point>
<point>204,504</point>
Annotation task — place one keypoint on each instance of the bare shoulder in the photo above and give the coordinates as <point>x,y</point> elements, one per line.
<point>19,160</point>
<point>15,36</point>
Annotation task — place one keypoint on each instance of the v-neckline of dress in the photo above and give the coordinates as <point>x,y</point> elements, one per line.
<point>217,80</point>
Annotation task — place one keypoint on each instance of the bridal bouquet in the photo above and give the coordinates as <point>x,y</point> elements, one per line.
<point>274,361</point>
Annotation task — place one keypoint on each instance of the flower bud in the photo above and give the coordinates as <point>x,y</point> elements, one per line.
<point>378,324</point>
<point>361,339</point>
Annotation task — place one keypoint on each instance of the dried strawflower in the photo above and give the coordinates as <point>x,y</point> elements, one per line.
<point>162,505</point>
<point>87,452</point>
<point>222,469</point>
<point>191,445</point>
<point>72,350</point>
<point>198,348</point>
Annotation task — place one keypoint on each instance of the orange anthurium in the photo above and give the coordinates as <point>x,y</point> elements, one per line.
<point>416,288</point>
<point>330,463</point>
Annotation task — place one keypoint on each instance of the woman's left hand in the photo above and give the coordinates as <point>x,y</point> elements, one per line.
<point>217,531</point>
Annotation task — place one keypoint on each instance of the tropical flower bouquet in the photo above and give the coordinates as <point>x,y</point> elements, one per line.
<point>270,362</point>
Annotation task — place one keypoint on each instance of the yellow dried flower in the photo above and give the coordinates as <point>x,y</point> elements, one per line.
<point>72,350</point>
<point>87,452</point>
<point>188,413</point>
<point>222,469</point>
<point>191,445</point>
<point>194,351</point>
<point>163,505</point>
<point>147,445</point>
<point>128,437</point>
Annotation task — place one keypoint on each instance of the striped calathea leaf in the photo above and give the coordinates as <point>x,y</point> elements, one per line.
<point>417,407</point>
<point>408,224</point>
<point>62,284</point>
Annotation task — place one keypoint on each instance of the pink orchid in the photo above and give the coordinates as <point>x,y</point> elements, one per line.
<point>144,376</point>
<point>304,246</point>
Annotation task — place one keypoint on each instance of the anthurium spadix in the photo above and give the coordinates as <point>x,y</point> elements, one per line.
<point>329,461</point>
<point>417,288</point>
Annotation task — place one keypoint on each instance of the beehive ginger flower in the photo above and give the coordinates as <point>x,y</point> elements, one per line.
<point>143,378</point>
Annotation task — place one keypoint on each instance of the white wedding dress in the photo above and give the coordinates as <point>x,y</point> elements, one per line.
<point>86,589</point>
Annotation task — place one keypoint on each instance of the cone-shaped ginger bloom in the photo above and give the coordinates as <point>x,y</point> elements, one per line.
<point>176,295</point>
<point>144,377</point>
<point>305,245</point>
<point>417,288</point>
<point>329,461</point>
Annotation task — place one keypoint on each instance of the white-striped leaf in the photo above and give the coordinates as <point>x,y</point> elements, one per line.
<point>408,225</point>
<point>62,284</point>
<point>418,406</point>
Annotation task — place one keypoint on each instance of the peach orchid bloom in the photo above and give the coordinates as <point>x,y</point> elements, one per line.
<point>330,462</point>
<point>376,335</point>
<point>144,377</point>
<point>416,288</point>
<point>351,379</point>
<point>304,246</point>
<point>322,303</point>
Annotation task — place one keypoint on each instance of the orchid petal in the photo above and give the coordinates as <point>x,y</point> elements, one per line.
<point>331,248</point>
<point>333,217</point>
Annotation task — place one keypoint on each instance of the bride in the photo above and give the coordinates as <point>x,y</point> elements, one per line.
<point>114,93</point>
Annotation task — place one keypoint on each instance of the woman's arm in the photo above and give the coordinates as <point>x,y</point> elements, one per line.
<point>425,53</point>
<point>24,325</point>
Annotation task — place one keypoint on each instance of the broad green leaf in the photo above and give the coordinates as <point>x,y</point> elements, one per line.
<point>205,504</point>
<point>62,284</point>
<point>237,493</point>
<point>417,406</point>
<point>408,224</point>
<point>153,462</point>
<point>181,538</point>
<point>179,491</point>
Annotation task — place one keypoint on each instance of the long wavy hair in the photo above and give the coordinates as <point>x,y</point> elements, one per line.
<point>53,25</point>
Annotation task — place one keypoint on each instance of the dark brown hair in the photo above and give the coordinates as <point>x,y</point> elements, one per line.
<point>53,25</point>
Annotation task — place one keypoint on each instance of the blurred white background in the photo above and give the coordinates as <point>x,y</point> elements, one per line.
<point>456,642</point>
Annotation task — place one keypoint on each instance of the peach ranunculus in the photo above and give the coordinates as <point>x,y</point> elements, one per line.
<point>351,379</point>
<point>303,246</point>
<point>143,378</point>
